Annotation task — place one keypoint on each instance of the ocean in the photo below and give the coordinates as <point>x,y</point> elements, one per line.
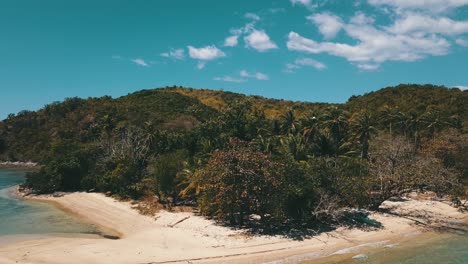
<point>19,217</point>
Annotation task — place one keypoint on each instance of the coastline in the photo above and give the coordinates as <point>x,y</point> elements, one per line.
<point>163,239</point>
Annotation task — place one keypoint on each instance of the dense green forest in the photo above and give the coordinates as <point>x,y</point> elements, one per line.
<point>235,156</point>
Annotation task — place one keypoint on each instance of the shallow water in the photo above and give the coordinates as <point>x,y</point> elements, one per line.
<point>427,248</point>
<point>430,248</point>
<point>30,218</point>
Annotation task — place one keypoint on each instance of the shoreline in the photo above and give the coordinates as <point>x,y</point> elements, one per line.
<point>104,231</point>
<point>159,239</point>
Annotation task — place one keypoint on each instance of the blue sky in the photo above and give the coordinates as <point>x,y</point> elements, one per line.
<point>306,50</point>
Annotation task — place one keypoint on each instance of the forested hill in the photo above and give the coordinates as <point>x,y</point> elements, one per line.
<point>29,135</point>
<point>413,98</point>
<point>293,164</point>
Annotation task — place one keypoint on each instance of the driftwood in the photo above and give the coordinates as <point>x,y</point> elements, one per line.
<point>178,222</point>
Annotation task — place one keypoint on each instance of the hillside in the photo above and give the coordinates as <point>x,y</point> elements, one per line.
<point>413,98</point>
<point>232,155</point>
<point>27,135</point>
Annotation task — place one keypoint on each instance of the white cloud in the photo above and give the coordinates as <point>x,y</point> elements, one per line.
<point>231,41</point>
<point>229,79</point>
<point>361,19</point>
<point>290,68</point>
<point>201,65</point>
<point>244,73</point>
<point>368,66</point>
<point>462,42</point>
<point>252,16</point>
<point>434,6</point>
<point>373,45</point>
<point>206,53</point>
<point>140,62</point>
<point>261,76</point>
<point>259,40</point>
<point>310,62</point>
<point>258,75</point>
<point>304,62</point>
<point>307,3</point>
<point>461,87</point>
<point>329,25</point>
<point>178,54</point>
<point>423,24</point>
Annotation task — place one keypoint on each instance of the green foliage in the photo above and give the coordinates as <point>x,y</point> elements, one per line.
<point>65,170</point>
<point>241,181</point>
<point>164,169</point>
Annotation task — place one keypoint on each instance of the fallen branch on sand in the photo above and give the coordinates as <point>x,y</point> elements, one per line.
<point>178,222</point>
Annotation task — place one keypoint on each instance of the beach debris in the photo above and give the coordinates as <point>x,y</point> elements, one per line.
<point>361,257</point>
<point>178,222</point>
<point>255,217</point>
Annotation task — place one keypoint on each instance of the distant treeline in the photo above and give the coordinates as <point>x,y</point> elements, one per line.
<point>235,156</point>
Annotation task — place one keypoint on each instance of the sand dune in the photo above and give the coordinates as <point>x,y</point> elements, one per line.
<point>188,238</point>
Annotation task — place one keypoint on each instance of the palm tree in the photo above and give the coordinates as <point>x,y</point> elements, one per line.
<point>326,145</point>
<point>310,127</point>
<point>289,124</point>
<point>388,117</point>
<point>363,130</point>
<point>335,122</point>
<point>401,120</point>
<point>434,122</point>
<point>295,145</point>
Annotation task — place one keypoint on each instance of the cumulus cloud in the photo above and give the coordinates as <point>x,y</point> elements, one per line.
<point>140,62</point>
<point>434,6</point>
<point>329,25</point>
<point>177,54</point>
<point>206,53</point>
<point>231,41</point>
<point>229,79</point>
<point>424,24</point>
<point>259,40</point>
<point>252,16</point>
<point>257,75</point>
<point>304,62</point>
<point>373,45</point>
<point>462,42</point>
<point>310,62</point>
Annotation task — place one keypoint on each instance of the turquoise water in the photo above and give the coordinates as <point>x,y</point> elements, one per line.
<point>431,248</point>
<point>427,248</point>
<point>22,217</point>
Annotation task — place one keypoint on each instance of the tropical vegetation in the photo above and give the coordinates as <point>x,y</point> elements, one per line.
<point>247,159</point>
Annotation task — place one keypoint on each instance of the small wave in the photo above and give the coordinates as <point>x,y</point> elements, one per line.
<point>355,248</point>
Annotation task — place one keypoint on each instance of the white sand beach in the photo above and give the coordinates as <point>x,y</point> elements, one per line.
<point>166,239</point>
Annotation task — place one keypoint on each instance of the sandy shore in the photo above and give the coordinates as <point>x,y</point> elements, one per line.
<point>187,238</point>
